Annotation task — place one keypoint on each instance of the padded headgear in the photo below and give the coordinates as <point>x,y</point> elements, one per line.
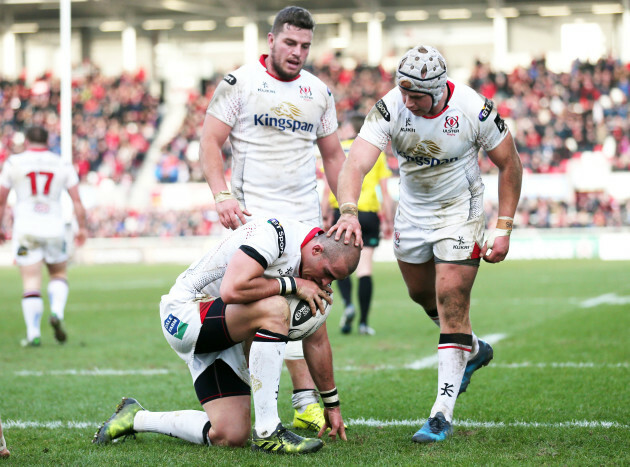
<point>423,69</point>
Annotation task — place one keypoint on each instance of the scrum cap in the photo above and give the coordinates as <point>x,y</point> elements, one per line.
<point>423,69</point>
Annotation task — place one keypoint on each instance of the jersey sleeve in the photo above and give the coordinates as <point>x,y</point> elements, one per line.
<point>328,121</point>
<point>376,129</point>
<point>72,178</point>
<point>492,128</point>
<point>267,244</point>
<point>225,104</point>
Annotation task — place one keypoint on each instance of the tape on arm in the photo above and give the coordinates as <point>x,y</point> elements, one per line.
<point>503,229</point>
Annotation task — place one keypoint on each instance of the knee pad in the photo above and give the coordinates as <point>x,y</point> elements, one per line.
<point>294,351</point>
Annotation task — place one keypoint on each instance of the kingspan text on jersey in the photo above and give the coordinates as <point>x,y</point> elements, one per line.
<point>282,123</point>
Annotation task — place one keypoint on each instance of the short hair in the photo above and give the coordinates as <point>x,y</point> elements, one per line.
<point>295,16</point>
<point>37,134</point>
<point>334,249</point>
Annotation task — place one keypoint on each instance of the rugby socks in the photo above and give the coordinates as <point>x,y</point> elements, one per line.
<point>266,356</point>
<point>58,296</point>
<point>453,353</point>
<point>302,398</point>
<point>345,289</point>
<point>433,314</point>
<point>189,425</point>
<point>32,309</point>
<point>365,297</point>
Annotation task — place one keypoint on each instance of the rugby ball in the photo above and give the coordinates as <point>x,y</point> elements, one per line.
<point>303,323</point>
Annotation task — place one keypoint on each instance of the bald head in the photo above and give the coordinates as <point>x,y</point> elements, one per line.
<point>336,250</point>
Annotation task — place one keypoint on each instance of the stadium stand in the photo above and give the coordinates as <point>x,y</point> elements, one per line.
<point>555,118</point>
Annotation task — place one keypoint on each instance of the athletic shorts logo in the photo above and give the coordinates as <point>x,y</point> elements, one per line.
<point>175,327</point>
<point>382,109</point>
<point>282,239</point>
<point>498,121</point>
<point>230,79</point>
<point>487,109</point>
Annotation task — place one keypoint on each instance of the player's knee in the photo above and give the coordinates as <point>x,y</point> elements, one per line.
<point>229,435</point>
<point>275,313</point>
<point>424,298</point>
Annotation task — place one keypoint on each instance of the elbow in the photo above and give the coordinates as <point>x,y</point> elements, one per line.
<point>228,294</point>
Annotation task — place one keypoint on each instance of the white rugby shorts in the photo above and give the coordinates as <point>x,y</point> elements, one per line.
<point>458,242</point>
<point>30,249</point>
<point>181,323</point>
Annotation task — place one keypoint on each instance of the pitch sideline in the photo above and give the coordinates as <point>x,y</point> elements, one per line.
<point>368,422</point>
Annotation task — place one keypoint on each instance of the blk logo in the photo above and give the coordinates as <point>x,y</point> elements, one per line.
<point>447,390</point>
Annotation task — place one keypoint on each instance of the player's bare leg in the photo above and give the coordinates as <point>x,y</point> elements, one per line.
<point>58,296</point>
<point>32,303</point>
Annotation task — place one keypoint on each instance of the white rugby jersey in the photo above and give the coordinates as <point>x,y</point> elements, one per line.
<point>275,125</point>
<point>275,244</point>
<point>440,180</point>
<point>38,177</point>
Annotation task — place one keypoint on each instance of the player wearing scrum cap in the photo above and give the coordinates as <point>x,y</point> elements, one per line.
<point>437,127</point>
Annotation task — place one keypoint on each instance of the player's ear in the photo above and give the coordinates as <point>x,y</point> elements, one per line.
<point>317,249</point>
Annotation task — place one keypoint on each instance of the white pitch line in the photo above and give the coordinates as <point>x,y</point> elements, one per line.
<point>426,362</point>
<point>561,365</point>
<point>477,424</point>
<point>93,372</point>
<point>606,299</point>
<point>369,422</point>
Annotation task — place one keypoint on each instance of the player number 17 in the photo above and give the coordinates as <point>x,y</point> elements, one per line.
<point>33,176</point>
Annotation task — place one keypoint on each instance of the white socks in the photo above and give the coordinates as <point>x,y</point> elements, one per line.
<point>266,357</point>
<point>189,425</point>
<point>32,309</point>
<point>453,355</point>
<point>302,398</point>
<point>58,296</point>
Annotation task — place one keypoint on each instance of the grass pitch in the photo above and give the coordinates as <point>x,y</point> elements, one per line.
<point>555,393</point>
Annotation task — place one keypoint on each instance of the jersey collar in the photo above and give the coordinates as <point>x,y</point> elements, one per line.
<point>263,57</point>
<point>310,236</point>
<point>450,88</point>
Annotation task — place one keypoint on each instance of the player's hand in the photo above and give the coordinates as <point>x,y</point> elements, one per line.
<point>230,214</point>
<point>334,421</point>
<point>346,226</point>
<point>81,236</point>
<point>498,251</point>
<point>316,296</point>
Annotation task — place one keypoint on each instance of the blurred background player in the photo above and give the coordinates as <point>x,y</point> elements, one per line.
<point>4,452</point>
<point>369,209</point>
<point>226,318</point>
<point>39,178</point>
<point>274,113</point>
<point>439,225</point>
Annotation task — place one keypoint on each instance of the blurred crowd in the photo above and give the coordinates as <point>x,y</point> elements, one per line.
<point>554,117</point>
<point>114,120</point>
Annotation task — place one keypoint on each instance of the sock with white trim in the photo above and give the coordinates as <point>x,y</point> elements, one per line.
<point>302,398</point>
<point>266,356</point>
<point>189,425</point>
<point>453,352</point>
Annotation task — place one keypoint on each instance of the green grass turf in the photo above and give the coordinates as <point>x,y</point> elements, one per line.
<point>113,324</point>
